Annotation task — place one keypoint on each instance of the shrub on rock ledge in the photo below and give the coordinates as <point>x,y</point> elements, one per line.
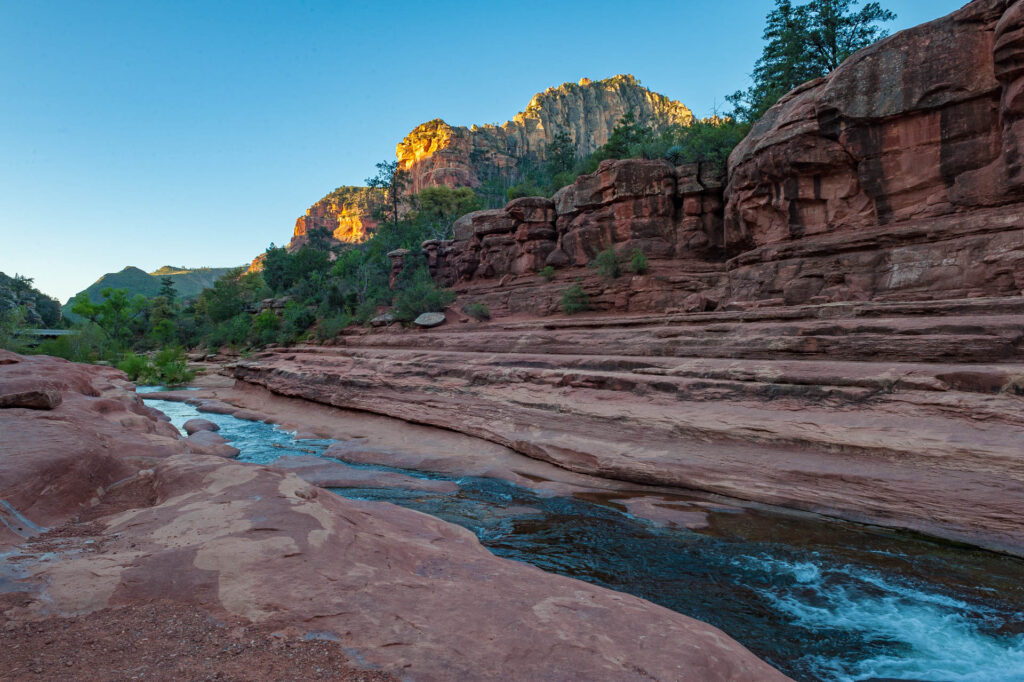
<point>478,311</point>
<point>575,300</point>
<point>607,263</point>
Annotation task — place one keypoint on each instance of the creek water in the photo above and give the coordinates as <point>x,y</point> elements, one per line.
<point>819,599</point>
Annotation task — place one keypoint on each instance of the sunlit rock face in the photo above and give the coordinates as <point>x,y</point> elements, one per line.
<point>436,153</point>
<point>346,213</point>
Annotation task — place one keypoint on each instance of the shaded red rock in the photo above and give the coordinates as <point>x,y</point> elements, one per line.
<point>327,474</point>
<point>198,424</point>
<point>868,412</point>
<point>29,394</point>
<point>894,176</point>
<point>210,443</point>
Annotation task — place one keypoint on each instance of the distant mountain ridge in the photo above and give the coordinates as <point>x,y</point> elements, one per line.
<point>436,153</point>
<point>188,282</point>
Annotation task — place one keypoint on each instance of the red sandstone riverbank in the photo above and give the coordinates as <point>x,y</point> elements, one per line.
<point>145,521</point>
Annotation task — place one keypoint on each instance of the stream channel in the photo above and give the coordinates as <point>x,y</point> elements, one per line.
<point>818,599</point>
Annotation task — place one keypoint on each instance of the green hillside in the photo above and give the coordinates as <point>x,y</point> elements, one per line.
<point>188,282</point>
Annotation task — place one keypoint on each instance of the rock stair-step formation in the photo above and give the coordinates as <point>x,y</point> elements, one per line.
<point>855,411</point>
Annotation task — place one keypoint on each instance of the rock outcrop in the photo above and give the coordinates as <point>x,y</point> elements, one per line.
<point>896,177</point>
<point>18,294</point>
<point>670,214</point>
<point>345,215</point>
<point>436,153</point>
<point>142,521</point>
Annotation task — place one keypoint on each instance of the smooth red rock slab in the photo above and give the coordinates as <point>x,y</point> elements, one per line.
<point>933,447</point>
<point>199,424</point>
<point>401,591</point>
<point>210,443</point>
<point>405,591</point>
<point>328,474</point>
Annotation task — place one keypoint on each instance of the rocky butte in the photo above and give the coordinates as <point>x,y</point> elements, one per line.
<point>436,153</point>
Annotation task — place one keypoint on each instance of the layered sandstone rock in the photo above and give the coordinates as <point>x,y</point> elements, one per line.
<point>895,177</point>
<point>346,214</point>
<point>436,153</point>
<point>902,415</point>
<point>671,214</point>
<point>146,522</point>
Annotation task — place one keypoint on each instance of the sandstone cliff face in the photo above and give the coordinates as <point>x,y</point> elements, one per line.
<point>436,153</point>
<point>346,213</point>
<point>671,214</point>
<point>897,176</point>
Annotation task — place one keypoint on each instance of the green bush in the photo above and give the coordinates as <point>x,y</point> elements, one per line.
<point>265,327</point>
<point>638,262</point>
<point>330,327</point>
<point>478,311</point>
<point>607,263</point>
<point>88,345</point>
<point>575,300</point>
<point>420,295</point>
<point>137,367</point>
<point>171,366</point>
<point>294,323</point>
<point>547,273</point>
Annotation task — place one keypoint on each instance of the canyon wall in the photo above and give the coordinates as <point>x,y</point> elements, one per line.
<point>436,153</point>
<point>897,177</point>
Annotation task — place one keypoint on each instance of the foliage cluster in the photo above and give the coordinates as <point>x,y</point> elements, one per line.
<point>803,42</point>
<point>167,366</point>
<point>705,141</point>
<point>575,300</point>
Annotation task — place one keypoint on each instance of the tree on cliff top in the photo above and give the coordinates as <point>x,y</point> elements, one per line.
<point>393,182</point>
<point>804,42</point>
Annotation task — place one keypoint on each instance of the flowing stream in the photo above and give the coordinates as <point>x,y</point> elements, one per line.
<point>820,600</point>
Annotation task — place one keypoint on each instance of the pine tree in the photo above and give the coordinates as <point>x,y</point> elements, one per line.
<point>804,42</point>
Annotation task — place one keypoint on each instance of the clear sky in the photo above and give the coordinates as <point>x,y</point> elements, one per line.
<point>153,132</point>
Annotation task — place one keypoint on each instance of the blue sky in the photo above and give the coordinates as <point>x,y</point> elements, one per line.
<point>194,133</point>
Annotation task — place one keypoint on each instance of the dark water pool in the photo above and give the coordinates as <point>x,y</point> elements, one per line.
<point>820,600</point>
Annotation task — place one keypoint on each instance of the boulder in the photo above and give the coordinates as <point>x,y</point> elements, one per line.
<point>199,424</point>
<point>29,394</point>
<point>699,303</point>
<point>429,320</point>
<point>383,320</point>
<point>210,443</point>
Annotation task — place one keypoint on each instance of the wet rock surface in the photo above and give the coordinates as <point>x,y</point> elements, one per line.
<point>245,543</point>
<point>194,425</point>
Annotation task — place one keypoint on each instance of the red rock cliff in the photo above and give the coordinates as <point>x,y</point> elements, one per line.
<point>897,177</point>
<point>436,153</point>
<point>346,213</point>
